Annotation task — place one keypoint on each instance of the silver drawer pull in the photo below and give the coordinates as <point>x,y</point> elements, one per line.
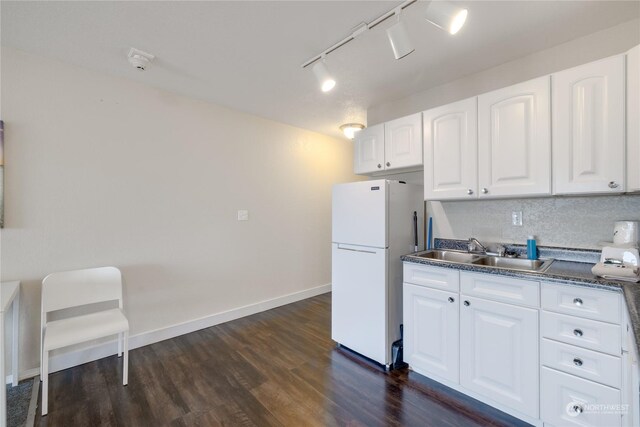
<point>451,299</point>
<point>577,361</point>
<point>578,409</point>
<point>577,301</point>
<point>577,332</point>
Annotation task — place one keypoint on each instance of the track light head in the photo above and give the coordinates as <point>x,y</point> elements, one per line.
<point>399,39</point>
<point>447,16</point>
<point>327,82</point>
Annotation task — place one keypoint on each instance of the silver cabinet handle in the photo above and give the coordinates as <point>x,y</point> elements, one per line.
<point>613,184</point>
<point>469,191</point>
<point>485,190</point>
<point>451,299</point>
<point>379,166</point>
<point>577,361</point>
<point>578,409</point>
<point>577,301</point>
<point>388,164</point>
<point>577,332</point>
<point>467,303</point>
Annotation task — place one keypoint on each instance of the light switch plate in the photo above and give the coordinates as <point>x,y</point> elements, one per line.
<point>243,215</point>
<point>516,218</point>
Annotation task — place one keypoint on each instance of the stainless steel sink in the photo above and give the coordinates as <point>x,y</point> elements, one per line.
<point>451,256</point>
<point>460,257</point>
<point>537,265</point>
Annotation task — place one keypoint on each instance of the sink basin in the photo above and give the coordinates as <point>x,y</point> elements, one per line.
<point>451,256</point>
<point>460,257</point>
<point>514,263</point>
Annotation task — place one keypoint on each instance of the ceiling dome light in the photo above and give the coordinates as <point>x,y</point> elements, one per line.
<point>327,82</point>
<point>350,129</point>
<point>445,15</point>
<point>399,39</point>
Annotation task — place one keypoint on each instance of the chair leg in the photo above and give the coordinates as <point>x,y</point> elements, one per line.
<point>120,338</point>
<point>125,359</point>
<point>45,382</point>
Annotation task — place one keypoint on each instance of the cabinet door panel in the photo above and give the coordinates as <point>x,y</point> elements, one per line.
<point>571,401</point>
<point>403,142</point>
<point>451,151</point>
<point>369,150</point>
<point>431,331</point>
<point>499,353</point>
<point>633,119</point>
<point>514,140</point>
<point>588,128</point>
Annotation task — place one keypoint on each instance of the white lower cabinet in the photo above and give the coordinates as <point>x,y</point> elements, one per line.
<point>431,321</point>
<point>582,358</point>
<point>571,362</point>
<point>568,400</point>
<point>499,353</point>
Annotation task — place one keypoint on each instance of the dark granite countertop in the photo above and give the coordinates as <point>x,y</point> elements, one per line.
<point>571,267</point>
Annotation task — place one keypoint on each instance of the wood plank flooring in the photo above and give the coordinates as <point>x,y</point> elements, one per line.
<point>277,368</point>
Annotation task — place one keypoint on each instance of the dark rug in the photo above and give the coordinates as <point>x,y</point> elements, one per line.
<point>18,400</point>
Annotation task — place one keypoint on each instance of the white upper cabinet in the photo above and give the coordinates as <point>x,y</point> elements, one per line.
<point>394,146</point>
<point>588,128</point>
<point>633,119</point>
<point>403,142</point>
<point>514,140</point>
<point>451,151</point>
<point>368,153</point>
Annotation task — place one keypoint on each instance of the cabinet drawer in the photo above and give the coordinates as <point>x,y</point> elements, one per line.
<point>446,279</point>
<point>501,288</point>
<point>571,401</point>
<point>586,333</point>
<point>591,365</point>
<point>584,302</point>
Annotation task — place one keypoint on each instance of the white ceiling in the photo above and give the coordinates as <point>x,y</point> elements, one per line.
<point>247,55</point>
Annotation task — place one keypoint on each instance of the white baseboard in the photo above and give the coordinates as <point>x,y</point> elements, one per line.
<point>89,354</point>
<point>30,373</point>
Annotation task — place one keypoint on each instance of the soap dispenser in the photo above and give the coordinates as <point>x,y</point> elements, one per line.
<point>532,248</point>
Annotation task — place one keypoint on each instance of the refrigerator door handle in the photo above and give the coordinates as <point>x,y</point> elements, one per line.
<point>355,250</point>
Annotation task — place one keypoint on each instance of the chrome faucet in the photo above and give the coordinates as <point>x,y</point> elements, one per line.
<point>475,246</point>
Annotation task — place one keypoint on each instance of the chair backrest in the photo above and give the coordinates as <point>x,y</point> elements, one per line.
<point>80,287</point>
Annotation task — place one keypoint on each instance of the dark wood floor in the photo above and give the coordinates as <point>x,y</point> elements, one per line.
<point>277,368</point>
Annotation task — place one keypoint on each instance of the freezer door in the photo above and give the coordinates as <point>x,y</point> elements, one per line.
<point>359,301</point>
<point>359,213</point>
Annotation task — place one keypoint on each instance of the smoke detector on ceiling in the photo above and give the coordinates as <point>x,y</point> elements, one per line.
<point>139,59</point>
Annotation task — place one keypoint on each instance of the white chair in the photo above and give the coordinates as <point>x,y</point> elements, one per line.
<point>70,289</point>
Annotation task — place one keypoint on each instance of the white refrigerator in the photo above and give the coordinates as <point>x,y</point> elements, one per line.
<point>373,225</point>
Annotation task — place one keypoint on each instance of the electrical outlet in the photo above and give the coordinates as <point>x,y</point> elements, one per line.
<point>243,215</point>
<point>516,218</point>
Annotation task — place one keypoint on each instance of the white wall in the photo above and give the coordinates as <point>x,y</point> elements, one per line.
<point>105,171</point>
<point>595,46</point>
<point>569,221</point>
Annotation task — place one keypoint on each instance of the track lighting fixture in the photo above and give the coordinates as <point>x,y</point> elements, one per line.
<point>327,82</point>
<point>399,38</point>
<point>440,13</point>
<point>350,129</point>
<point>445,15</point>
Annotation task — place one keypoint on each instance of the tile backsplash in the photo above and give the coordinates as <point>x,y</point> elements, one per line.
<point>580,222</point>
